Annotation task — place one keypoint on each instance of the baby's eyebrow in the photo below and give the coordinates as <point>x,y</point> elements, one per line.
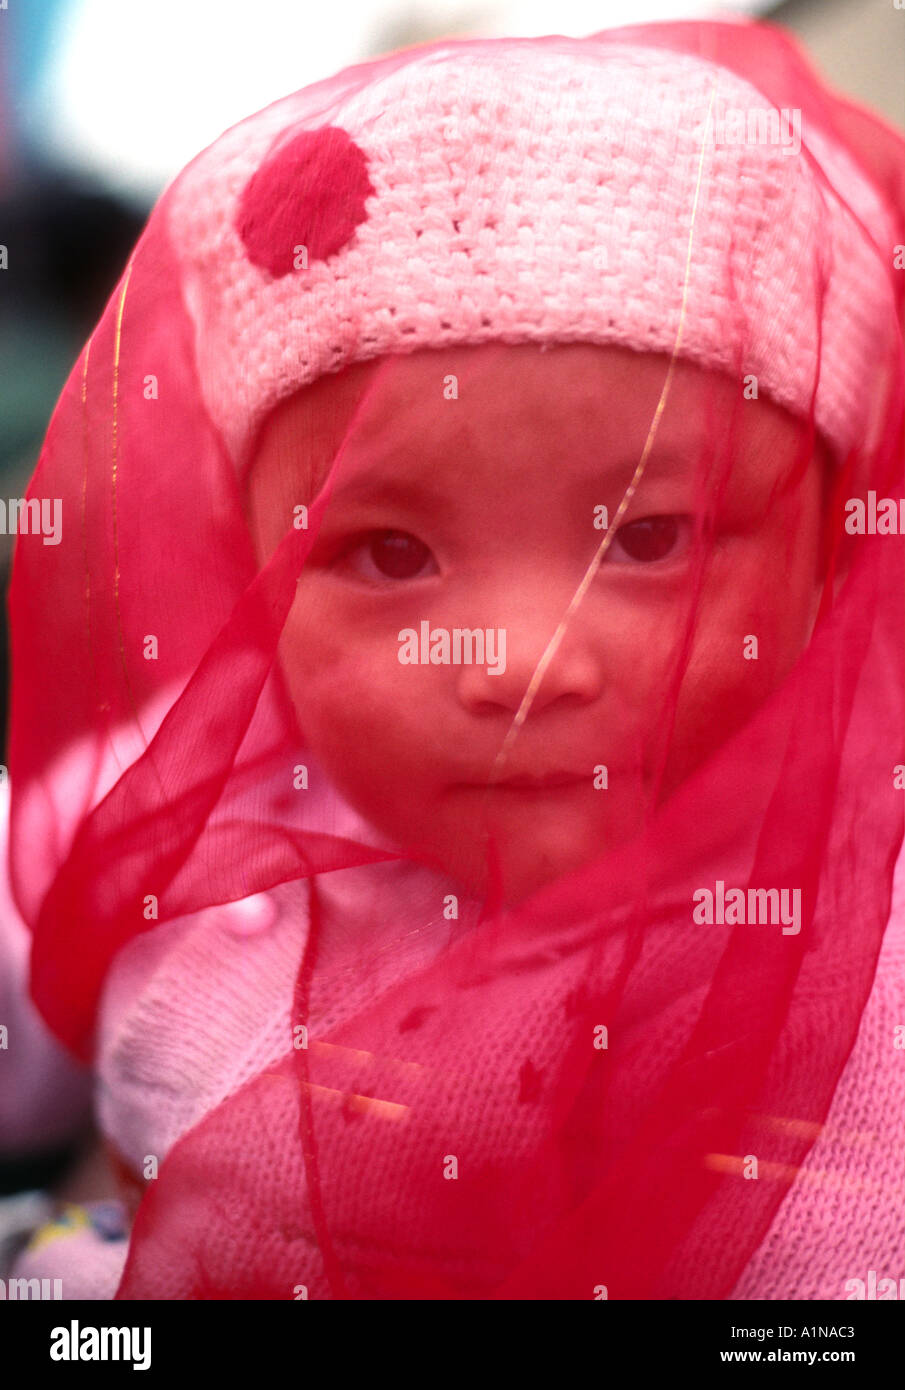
<point>667,466</point>
<point>372,488</point>
<point>425,494</point>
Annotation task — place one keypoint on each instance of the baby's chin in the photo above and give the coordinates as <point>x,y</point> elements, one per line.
<point>520,871</point>
<point>513,864</point>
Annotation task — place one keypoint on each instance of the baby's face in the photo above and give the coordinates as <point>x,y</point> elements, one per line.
<point>479,513</point>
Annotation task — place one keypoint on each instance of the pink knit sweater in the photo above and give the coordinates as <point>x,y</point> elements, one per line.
<point>845,1214</point>
<point>841,1219</point>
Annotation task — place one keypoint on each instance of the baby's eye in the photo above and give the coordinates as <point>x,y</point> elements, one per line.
<point>390,555</point>
<point>650,539</point>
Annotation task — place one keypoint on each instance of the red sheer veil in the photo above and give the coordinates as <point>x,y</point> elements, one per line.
<point>476,978</point>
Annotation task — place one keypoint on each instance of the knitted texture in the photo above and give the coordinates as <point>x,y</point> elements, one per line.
<point>526,195</point>
<point>201,1005</point>
<point>841,1218</point>
<point>195,1009</point>
<point>845,1214</point>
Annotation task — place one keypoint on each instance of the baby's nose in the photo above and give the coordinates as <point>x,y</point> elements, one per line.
<point>559,670</point>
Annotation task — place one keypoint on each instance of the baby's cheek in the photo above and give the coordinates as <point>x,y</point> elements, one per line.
<point>746,641</point>
<point>640,642</point>
<point>361,712</point>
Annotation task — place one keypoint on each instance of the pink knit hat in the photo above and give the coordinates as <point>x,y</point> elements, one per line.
<point>530,194</point>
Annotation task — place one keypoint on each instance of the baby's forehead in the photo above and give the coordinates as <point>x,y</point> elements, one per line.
<point>507,380</point>
<point>605,384</point>
<point>489,413</point>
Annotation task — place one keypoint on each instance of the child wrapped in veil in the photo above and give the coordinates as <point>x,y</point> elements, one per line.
<point>457,749</point>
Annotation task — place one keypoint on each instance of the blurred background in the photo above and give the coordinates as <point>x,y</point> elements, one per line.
<point>103,101</point>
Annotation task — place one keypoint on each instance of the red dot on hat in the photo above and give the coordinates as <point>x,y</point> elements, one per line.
<point>310,192</point>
